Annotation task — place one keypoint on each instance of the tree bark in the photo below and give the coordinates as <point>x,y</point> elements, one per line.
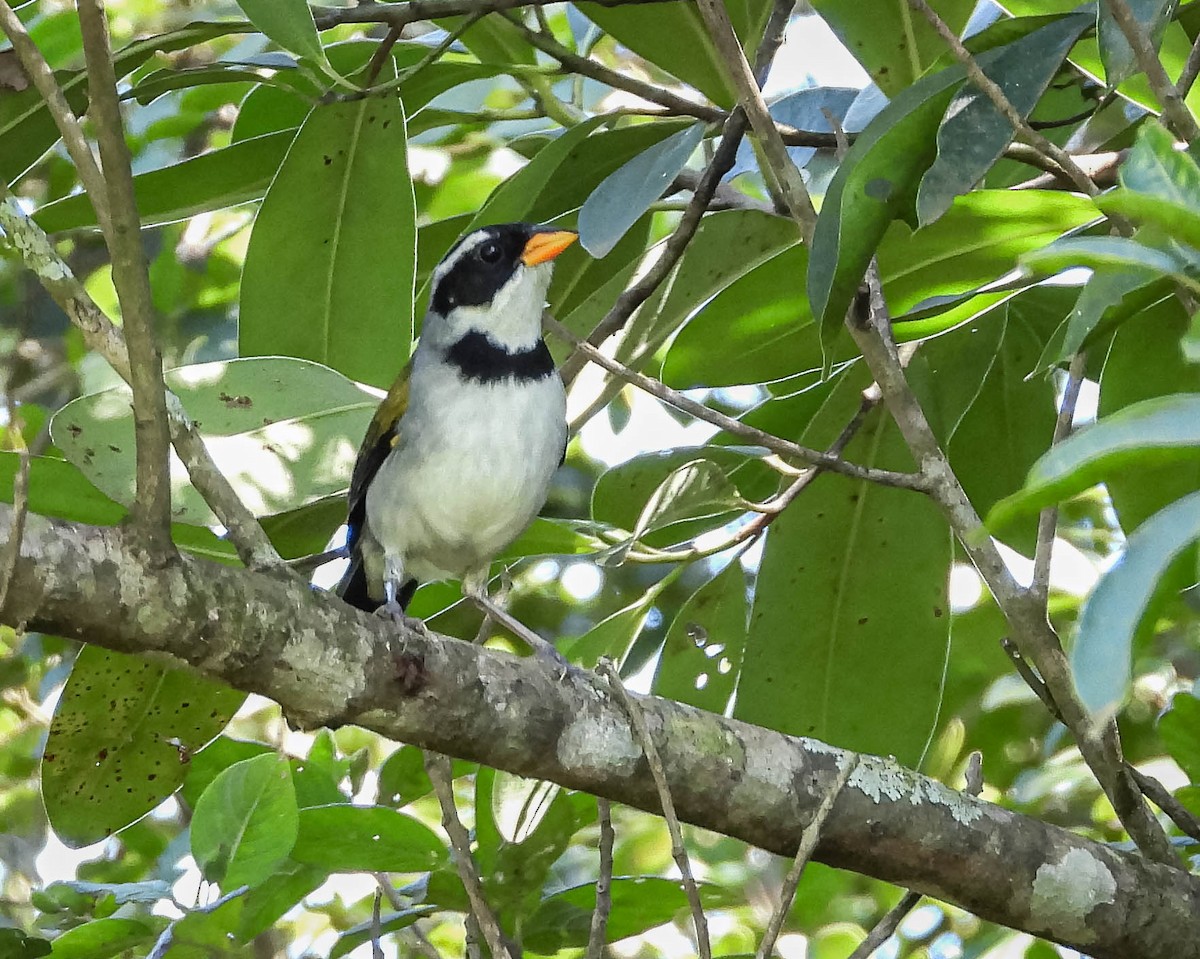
<point>327,664</point>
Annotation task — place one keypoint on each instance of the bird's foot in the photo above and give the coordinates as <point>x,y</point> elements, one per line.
<point>394,612</point>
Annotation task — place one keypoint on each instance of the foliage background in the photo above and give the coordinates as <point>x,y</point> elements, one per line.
<point>855,618</point>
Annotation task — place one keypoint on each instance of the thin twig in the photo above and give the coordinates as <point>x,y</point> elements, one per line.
<point>381,54</point>
<point>654,761</point>
<point>1175,112</point>
<point>438,768</point>
<point>38,255</point>
<point>722,162</point>
<point>1032,679</point>
<point>1190,69</point>
<point>786,174</point>
<point>80,151</point>
<point>598,934</point>
<point>151,509</point>
<point>376,927</point>
<point>1048,519</point>
<point>776,444</point>
<point>993,92</point>
<point>808,844</point>
<point>20,504</point>
<point>1158,794</point>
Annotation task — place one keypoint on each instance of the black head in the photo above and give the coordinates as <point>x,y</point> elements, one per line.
<point>483,261</point>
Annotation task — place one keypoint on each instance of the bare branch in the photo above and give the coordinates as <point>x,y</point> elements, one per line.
<point>993,92</point>
<point>151,509</point>
<point>38,255</point>
<point>1048,520</point>
<point>786,448</point>
<point>438,768</point>
<point>678,850</point>
<point>808,844</point>
<point>779,162</point>
<point>1175,112</point>
<point>598,934</point>
<point>1190,69</point>
<point>1158,794</point>
<point>376,948</point>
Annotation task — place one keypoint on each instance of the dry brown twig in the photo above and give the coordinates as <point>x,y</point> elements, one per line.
<point>808,844</point>
<point>679,853</point>
<point>439,770</point>
<point>597,935</point>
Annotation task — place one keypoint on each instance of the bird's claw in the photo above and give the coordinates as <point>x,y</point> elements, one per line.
<point>394,612</point>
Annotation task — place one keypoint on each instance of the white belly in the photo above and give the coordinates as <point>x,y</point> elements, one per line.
<point>448,502</point>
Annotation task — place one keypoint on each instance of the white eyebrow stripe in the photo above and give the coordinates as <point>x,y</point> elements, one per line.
<point>465,246</point>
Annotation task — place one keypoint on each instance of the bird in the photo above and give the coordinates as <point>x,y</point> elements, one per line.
<point>459,456</point>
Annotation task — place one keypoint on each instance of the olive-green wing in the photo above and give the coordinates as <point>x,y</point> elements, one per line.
<point>382,436</point>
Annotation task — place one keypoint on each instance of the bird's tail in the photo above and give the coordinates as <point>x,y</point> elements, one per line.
<point>352,588</point>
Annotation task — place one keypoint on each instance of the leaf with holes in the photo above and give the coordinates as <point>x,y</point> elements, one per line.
<point>1100,658</point>
<point>121,738</point>
<point>323,279</point>
<point>245,822</point>
<point>703,651</point>
<point>346,838</point>
<point>283,431</point>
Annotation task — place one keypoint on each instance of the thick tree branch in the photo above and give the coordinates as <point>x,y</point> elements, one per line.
<point>151,509</point>
<point>327,664</point>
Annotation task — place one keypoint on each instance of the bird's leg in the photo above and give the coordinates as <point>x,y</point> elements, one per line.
<point>393,579</point>
<point>475,588</point>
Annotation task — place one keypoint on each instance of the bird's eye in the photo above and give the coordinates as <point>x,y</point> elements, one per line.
<point>489,253</point>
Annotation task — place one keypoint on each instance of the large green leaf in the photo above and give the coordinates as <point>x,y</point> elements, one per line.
<point>974,132</point>
<point>877,180</point>
<point>347,838</point>
<point>702,654</point>
<point>893,42</point>
<point>1100,659</point>
<point>289,23</point>
<point>1120,62</point>
<point>330,266</point>
<point>245,822</point>
<point>1156,168</point>
<point>1180,731</point>
<point>102,938</point>
<point>1150,433</point>
<point>848,568</point>
<point>283,431</point>
<point>673,37</point>
<point>222,178</point>
<point>761,328</point>
<point>624,195</point>
<point>120,740</point>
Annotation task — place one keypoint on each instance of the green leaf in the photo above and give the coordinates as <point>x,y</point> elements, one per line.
<point>703,651</point>
<point>617,203</point>
<point>245,822</point>
<point>120,740</point>
<point>1101,296</point>
<point>893,42</point>
<point>847,568</point>
<point>56,488</point>
<point>1120,62</point>
<point>211,181</point>
<point>1156,168</point>
<point>288,23</point>
<point>760,328</point>
<point>312,285</point>
<point>347,838</point>
<point>974,132</point>
<point>214,759</point>
<point>563,920</point>
<point>1179,728</point>
<point>1102,253</point>
<point>695,489</point>
<point>674,38</point>
<point>283,431</point>
<point>1100,659</point>
<point>877,180</point>
<point>1149,433</point>
<point>102,938</point>
<point>1180,221</point>
<point>364,932</point>
<point>614,636</point>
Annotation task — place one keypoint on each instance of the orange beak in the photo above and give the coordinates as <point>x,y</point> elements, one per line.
<point>544,247</point>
